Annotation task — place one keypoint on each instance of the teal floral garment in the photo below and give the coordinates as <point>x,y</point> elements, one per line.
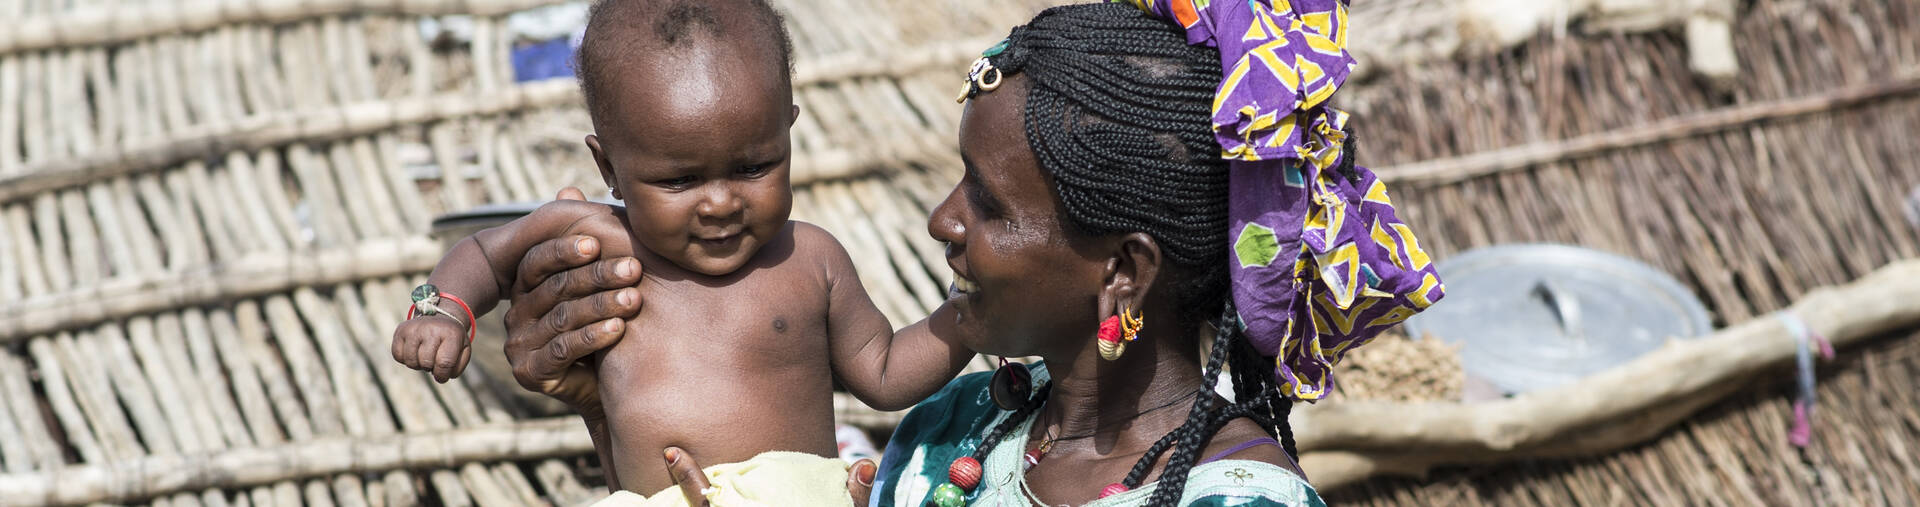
<point>952,423</point>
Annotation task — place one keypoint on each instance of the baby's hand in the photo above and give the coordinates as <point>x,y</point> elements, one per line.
<point>435,343</point>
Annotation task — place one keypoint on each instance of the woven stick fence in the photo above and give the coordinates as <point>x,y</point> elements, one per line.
<point>1343,442</point>
<point>209,217</point>
<point>307,362</point>
<point>1794,177</point>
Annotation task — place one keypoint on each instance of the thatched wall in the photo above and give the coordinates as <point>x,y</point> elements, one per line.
<point>1753,213</point>
<point>206,221</point>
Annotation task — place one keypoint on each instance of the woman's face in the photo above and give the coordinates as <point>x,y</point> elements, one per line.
<point>1024,285</point>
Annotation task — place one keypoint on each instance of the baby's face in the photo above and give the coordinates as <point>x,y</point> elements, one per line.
<point>699,152</point>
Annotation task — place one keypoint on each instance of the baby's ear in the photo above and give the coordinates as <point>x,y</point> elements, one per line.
<point>795,117</point>
<point>606,168</point>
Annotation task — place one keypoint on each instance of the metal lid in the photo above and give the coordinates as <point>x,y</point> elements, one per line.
<point>494,214</point>
<point>1531,317</point>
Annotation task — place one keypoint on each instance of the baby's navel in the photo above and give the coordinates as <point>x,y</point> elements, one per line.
<point>779,325</point>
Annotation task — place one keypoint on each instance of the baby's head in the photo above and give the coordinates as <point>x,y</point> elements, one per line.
<point>691,102</point>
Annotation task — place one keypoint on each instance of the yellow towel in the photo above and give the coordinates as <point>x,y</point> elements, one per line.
<point>772,478</point>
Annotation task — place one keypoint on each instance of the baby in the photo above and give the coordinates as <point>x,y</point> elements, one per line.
<point>749,317</point>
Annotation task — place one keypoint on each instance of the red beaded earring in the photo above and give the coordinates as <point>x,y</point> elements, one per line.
<point>1117,331</point>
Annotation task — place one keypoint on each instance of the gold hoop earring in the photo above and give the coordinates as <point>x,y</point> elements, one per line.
<point>977,80</point>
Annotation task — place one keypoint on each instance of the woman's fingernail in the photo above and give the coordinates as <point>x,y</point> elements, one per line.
<point>623,269</point>
<point>625,297</point>
<point>864,473</point>
<point>673,455</point>
<point>609,325</point>
<point>583,244</point>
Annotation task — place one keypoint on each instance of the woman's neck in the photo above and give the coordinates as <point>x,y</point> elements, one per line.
<point>1138,398</point>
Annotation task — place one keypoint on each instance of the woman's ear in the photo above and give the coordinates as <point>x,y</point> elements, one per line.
<point>1135,265</point>
<point>606,168</point>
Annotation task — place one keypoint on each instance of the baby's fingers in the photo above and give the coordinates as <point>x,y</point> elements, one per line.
<point>403,346</point>
<point>448,360</point>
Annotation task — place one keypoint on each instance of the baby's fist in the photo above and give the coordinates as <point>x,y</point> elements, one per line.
<point>434,343</point>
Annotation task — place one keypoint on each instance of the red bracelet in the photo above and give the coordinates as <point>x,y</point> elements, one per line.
<point>473,327</point>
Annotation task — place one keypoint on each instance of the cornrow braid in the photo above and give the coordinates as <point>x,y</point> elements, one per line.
<point>1253,386</point>
<point>1019,415</point>
<point>1173,480</point>
<point>1119,116</point>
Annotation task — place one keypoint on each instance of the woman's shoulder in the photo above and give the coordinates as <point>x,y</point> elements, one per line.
<point>1247,483</point>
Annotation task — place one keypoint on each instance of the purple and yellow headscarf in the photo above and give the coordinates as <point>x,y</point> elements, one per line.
<point>1319,262</point>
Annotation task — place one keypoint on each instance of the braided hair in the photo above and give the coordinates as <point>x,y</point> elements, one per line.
<point>1119,115</point>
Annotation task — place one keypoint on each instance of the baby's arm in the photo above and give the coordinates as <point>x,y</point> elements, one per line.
<point>479,270</point>
<point>887,370</point>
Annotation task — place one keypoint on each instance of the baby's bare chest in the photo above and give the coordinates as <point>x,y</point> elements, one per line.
<point>760,321</point>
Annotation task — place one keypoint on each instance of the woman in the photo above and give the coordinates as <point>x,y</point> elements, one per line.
<point>1109,222</point>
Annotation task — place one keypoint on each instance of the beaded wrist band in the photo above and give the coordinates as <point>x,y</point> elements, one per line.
<point>426,301</point>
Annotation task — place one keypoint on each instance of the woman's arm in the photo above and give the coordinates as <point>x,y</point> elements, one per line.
<point>568,303</point>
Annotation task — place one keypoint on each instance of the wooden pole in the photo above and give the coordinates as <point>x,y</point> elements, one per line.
<point>1449,170</point>
<point>255,275</point>
<point>150,476</point>
<point>1632,403</point>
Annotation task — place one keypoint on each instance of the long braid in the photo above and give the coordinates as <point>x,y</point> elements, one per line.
<point>1019,416</point>
<point>1255,388</point>
<point>1173,479</point>
<point>1119,117</point>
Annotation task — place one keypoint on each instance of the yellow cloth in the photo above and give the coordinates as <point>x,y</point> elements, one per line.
<point>772,478</point>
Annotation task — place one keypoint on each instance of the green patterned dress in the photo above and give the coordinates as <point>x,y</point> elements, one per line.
<point>951,424</point>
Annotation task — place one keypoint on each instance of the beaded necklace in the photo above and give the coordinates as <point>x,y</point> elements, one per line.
<point>963,475</point>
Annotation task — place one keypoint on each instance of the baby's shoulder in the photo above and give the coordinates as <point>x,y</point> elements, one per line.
<point>807,236</point>
<point>815,245</point>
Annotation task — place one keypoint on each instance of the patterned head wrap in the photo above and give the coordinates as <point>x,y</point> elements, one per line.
<point>1319,262</point>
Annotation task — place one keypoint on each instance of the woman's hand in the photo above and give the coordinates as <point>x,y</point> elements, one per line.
<point>693,481</point>
<point>567,304</point>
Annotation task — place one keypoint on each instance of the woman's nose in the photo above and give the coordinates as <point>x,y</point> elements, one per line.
<point>945,224</point>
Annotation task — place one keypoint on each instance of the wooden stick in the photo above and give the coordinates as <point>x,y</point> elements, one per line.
<point>255,275</point>
<point>261,131</point>
<point>33,279</point>
<point>35,443</point>
<point>190,185</point>
<point>1449,170</point>
<point>175,403</point>
<point>83,240</point>
<point>63,398</point>
<point>53,256</point>
<point>10,117</point>
<point>12,273</point>
<point>370,189</point>
<point>138,230</point>
<point>150,476</point>
<point>106,214</point>
<point>1636,401</point>
<point>248,194</point>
